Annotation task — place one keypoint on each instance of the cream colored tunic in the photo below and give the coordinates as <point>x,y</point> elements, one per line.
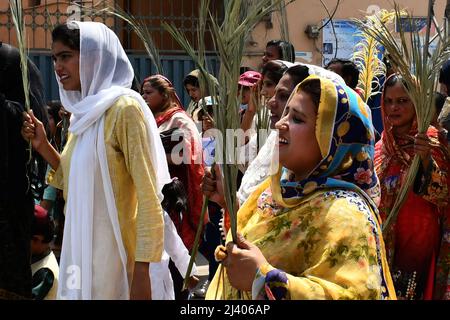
<point>134,186</point>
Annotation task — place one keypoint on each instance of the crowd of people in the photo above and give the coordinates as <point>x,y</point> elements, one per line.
<point>102,191</point>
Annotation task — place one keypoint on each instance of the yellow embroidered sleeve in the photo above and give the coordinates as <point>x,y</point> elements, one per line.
<point>56,178</point>
<point>59,178</point>
<point>134,143</point>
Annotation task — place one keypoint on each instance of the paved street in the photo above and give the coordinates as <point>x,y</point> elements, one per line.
<point>202,269</point>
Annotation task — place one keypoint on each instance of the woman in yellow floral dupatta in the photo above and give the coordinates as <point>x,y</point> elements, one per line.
<point>311,231</point>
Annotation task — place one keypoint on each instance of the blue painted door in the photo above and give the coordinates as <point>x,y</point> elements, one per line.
<point>175,69</point>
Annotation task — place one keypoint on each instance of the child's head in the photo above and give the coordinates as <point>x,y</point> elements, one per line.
<point>42,230</point>
<point>175,198</point>
<point>246,81</point>
<point>192,86</point>
<point>207,117</point>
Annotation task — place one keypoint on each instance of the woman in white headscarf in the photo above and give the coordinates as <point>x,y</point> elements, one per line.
<point>114,223</point>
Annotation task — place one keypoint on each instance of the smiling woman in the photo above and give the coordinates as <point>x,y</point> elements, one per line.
<point>113,146</point>
<point>311,230</point>
<point>67,66</point>
<point>297,131</point>
<point>66,57</point>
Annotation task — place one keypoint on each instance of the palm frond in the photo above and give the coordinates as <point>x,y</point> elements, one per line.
<point>137,25</point>
<point>48,19</point>
<point>262,123</point>
<point>19,26</point>
<point>367,57</point>
<point>420,76</point>
<point>229,38</point>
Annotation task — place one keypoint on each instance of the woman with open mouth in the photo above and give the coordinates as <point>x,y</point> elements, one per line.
<point>311,231</point>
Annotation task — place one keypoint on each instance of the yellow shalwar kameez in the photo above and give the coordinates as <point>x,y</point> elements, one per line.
<point>321,235</point>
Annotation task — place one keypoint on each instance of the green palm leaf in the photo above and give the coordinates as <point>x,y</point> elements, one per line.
<point>229,37</point>
<point>137,25</point>
<point>420,74</point>
<point>19,25</point>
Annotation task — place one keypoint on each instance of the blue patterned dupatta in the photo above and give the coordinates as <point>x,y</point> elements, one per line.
<point>346,139</point>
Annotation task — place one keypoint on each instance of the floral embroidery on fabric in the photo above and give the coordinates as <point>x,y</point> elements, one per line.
<point>437,191</point>
<point>276,227</point>
<point>363,176</point>
<point>267,205</point>
<point>362,250</point>
<point>414,238</point>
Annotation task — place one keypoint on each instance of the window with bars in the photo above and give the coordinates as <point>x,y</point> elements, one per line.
<point>182,13</point>
<point>32,3</point>
<point>41,15</point>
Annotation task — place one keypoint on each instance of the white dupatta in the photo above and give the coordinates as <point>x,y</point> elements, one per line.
<point>106,74</point>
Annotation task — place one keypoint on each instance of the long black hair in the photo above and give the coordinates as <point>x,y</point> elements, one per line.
<point>175,197</point>
<point>273,70</point>
<point>12,88</point>
<point>67,36</point>
<point>285,49</point>
<point>393,80</point>
<point>349,69</point>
